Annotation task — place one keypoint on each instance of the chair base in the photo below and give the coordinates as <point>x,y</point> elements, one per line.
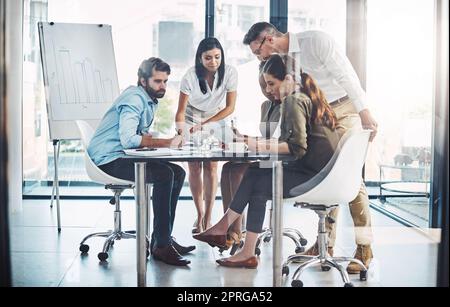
<point>323,258</point>
<point>326,262</point>
<point>111,236</point>
<point>291,233</point>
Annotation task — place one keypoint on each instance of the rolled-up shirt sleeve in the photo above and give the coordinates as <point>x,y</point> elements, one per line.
<point>339,66</point>
<point>185,84</point>
<point>232,83</point>
<point>130,112</point>
<point>296,114</point>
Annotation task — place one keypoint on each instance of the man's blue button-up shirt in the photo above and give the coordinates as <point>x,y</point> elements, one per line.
<point>130,116</point>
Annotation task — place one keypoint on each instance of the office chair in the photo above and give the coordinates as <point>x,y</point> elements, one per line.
<point>116,185</point>
<point>338,183</point>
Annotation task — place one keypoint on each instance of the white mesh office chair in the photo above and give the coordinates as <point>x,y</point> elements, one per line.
<point>338,183</point>
<point>116,185</point>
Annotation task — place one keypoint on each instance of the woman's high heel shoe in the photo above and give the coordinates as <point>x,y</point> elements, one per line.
<point>234,241</point>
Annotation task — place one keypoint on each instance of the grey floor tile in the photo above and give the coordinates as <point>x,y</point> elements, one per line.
<point>40,269</point>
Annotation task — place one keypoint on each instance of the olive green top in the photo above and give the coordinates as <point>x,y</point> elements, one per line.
<point>270,116</point>
<point>313,144</point>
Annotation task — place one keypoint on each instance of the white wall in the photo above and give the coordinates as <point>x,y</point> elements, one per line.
<point>14,60</point>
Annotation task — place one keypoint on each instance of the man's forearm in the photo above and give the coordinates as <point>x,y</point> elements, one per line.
<point>148,141</point>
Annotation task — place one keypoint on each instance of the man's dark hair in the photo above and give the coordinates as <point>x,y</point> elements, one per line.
<point>255,31</point>
<point>146,68</point>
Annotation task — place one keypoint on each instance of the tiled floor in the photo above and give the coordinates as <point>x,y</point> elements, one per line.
<point>41,257</point>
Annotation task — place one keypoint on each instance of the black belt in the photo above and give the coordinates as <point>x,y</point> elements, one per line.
<point>340,100</point>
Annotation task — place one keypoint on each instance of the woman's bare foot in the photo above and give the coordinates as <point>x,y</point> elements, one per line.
<point>198,226</point>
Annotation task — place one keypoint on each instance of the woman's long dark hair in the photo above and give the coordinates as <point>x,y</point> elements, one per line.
<point>322,112</point>
<point>207,44</point>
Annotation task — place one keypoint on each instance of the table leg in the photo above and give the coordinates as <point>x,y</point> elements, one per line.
<point>277,207</point>
<point>141,221</point>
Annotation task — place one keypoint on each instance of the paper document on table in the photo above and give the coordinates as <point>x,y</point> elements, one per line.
<point>154,152</point>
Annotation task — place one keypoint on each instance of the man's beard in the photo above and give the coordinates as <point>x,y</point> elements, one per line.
<point>154,94</point>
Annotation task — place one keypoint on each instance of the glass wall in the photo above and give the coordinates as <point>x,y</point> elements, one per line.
<point>141,29</point>
<point>233,19</point>
<point>35,127</point>
<point>400,89</point>
<point>326,15</point>
<point>399,76</point>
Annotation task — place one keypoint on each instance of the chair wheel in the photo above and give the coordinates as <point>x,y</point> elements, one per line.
<point>325,268</point>
<point>303,242</point>
<point>348,285</point>
<point>84,248</point>
<point>267,239</point>
<point>257,251</point>
<point>297,283</point>
<point>102,256</point>
<point>363,275</point>
<point>299,249</point>
<point>285,271</point>
<point>235,247</point>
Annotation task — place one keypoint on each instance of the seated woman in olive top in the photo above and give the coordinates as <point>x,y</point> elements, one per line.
<point>309,132</point>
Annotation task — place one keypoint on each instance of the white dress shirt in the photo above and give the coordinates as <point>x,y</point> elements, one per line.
<point>214,98</point>
<point>319,56</point>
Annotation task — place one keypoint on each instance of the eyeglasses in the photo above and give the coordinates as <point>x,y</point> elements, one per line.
<point>258,51</point>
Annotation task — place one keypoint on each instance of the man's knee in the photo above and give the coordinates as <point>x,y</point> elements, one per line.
<point>178,172</point>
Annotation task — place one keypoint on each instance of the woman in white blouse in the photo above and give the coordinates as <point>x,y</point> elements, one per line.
<point>207,94</point>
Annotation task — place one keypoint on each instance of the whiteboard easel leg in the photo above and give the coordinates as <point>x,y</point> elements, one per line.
<point>56,146</point>
<point>54,181</point>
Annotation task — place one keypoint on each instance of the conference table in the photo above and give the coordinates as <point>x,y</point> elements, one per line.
<point>143,200</point>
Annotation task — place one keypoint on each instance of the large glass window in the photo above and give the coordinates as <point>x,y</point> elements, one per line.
<point>169,29</point>
<point>399,90</point>
<point>35,128</point>
<point>233,19</point>
<point>325,15</point>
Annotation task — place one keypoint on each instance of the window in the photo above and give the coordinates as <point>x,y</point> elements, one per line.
<point>233,19</point>
<point>399,91</point>
<point>325,15</point>
<point>170,29</point>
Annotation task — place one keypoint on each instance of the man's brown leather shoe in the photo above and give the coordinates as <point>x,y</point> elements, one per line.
<point>182,250</point>
<point>213,240</point>
<point>250,263</point>
<point>168,254</point>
